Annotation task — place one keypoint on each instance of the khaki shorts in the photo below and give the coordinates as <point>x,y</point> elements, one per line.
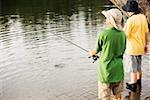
<point>105,89</point>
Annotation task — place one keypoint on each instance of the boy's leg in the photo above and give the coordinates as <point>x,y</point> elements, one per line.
<point>133,76</point>
<point>139,75</point>
<point>139,70</point>
<point>139,80</point>
<point>117,89</point>
<point>135,71</point>
<point>104,92</point>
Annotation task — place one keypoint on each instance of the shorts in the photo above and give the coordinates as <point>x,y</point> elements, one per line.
<point>105,89</point>
<point>134,63</point>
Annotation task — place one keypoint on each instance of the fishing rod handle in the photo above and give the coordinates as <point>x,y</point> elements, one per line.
<point>94,57</point>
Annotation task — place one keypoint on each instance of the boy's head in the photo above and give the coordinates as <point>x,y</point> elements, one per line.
<point>113,18</point>
<point>131,7</point>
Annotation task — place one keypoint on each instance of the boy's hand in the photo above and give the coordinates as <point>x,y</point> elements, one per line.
<point>145,49</point>
<point>92,52</point>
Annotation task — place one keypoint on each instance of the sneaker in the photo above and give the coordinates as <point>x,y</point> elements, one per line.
<point>118,98</point>
<point>131,87</point>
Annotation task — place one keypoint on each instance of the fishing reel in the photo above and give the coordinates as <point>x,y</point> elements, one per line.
<point>94,57</point>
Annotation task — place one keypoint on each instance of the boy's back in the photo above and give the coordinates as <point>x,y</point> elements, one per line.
<point>113,46</point>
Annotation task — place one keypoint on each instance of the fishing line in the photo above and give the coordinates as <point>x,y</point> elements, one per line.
<point>71,42</point>
<point>94,57</point>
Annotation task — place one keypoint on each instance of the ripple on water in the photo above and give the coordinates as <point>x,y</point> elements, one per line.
<point>59,65</point>
<point>147,98</point>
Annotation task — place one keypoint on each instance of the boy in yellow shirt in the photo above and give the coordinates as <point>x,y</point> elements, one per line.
<point>136,29</point>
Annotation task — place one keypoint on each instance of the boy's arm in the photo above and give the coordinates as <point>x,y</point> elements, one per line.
<point>146,41</point>
<point>98,46</point>
<point>146,37</point>
<point>99,43</point>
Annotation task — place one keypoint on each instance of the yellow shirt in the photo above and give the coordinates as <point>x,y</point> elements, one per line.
<point>136,29</point>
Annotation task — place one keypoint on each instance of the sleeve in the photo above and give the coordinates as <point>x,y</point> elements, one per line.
<point>99,43</point>
<point>128,28</point>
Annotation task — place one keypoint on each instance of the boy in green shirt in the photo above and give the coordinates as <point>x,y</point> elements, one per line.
<point>111,42</point>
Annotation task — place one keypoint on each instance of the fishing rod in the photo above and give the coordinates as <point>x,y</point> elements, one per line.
<point>71,42</point>
<point>94,57</point>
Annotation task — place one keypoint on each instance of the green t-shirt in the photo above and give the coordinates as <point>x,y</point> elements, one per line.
<point>111,44</point>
